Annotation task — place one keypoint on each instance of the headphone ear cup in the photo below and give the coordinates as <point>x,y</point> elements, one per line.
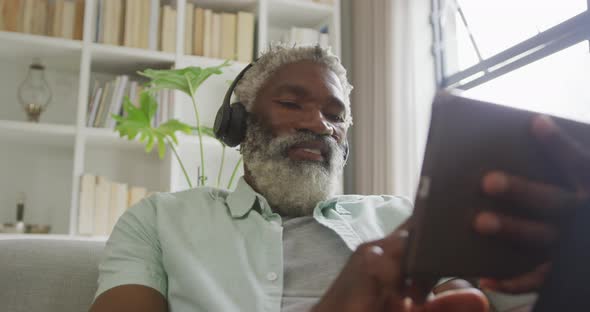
<point>222,121</point>
<point>237,125</point>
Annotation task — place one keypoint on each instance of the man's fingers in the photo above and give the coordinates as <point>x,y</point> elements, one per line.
<point>516,229</point>
<point>465,300</point>
<point>527,282</point>
<point>418,290</point>
<point>382,259</point>
<point>541,199</point>
<point>567,152</point>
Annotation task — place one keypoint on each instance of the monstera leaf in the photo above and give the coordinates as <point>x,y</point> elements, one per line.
<point>186,80</point>
<point>138,121</point>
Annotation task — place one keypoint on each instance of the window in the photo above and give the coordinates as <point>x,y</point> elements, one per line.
<point>532,54</point>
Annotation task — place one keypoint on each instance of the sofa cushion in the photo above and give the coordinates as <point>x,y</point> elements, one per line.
<point>40,274</point>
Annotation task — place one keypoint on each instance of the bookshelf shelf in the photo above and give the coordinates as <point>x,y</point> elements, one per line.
<point>55,52</point>
<point>116,59</point>
<point>107,138</point>
<point>37,134</point>
<point>286,13</point>
<point>48,160</point>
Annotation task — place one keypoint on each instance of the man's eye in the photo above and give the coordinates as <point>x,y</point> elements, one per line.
<point>335,118</point>
<point>289,105</point>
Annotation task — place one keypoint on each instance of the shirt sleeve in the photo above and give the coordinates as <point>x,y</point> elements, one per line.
<point>132,253</point>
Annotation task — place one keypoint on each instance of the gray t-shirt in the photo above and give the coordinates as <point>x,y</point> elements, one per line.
<point>313,255</point>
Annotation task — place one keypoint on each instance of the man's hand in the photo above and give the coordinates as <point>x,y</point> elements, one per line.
<point>540,199</point>
<point>372,280</point>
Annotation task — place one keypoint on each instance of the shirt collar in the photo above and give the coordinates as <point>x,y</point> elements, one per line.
<point>242,199</point>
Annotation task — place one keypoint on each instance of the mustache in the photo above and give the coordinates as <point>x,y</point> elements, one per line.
<point>280,146</point>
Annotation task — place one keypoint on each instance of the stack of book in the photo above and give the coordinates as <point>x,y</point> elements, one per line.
<point>307,36</point>
<point>218,34</point>
<point>57,18</point>
<point>130,23</point>
<point>107,98</point>
<point>102,202</point>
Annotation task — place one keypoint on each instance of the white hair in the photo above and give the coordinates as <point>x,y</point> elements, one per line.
<point>278,55</point>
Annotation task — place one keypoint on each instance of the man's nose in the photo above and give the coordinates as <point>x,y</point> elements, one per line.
<point>316,122</point>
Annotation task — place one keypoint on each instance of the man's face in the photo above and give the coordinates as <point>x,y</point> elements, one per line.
<point>303,96</point>
<point>294,145</point>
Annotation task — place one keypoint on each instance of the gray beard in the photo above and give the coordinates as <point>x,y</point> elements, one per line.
<point>292,188</point>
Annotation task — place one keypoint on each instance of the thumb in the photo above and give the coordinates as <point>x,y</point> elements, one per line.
<point>463,300</point>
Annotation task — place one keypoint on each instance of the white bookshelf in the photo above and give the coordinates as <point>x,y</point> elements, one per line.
<point>46,160</point>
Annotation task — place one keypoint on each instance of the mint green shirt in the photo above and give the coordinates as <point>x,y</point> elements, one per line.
<point>207,249</point>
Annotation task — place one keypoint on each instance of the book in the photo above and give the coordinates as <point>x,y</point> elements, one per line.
<point>136,194</point>
<point>79,20</point>
<point>107,93</point>
<point>26,18</point>
<point>132,95</point>
<point>207,33</point>
<point>101,206</point>
<point>86,206</point>
<point>40,9</point>
<point>128,24</point>
<point>228,36</point>
<point>69,17</point>
<point>2,27</point>
<point>57,21</point>
<point>168,35</point>
<point>216,36</point>
<point>118,203</point>
<point>245,37</point>
<point>143,26</point>
<point>117,101</point>
<point>99,21</point>
<point>188,28</point>
<point>12,11</point>
<point>95,102</point>
<point>198,29</point>
<point>154,25</point>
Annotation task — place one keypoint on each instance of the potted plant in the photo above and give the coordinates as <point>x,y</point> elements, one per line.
<point>137,119</point>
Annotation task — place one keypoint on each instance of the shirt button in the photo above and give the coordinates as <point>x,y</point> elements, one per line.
<point>271,276</point>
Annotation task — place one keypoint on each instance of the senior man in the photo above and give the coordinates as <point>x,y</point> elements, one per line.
<point>282,241</point>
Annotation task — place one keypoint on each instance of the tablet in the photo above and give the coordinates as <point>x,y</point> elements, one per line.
<point>468,138</point>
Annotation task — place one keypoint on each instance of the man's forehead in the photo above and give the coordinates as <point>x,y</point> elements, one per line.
<point>304,74</point>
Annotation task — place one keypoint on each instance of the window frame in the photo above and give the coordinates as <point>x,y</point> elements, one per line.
<point>546,43</point>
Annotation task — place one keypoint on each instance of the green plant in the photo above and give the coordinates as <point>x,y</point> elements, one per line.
<point>137,119</point>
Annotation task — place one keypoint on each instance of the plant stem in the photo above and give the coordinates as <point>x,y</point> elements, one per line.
<point>221,165</point>
<point>188,180</point>
<point>233,174</point>
<point>202,175</point>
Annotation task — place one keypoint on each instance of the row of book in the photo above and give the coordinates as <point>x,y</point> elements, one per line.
<point>107,98</point>
<point>219,34</point>
<point>102,202</point>
<point>148,25</point>
<point>57,18</point>
<point>130,23</point>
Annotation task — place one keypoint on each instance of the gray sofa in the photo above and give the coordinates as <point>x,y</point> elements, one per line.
<point>59,275</point>
<point>50,275</point>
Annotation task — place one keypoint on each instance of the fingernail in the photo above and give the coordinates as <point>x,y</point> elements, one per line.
<point>544,126</point>
<point>495,183</point>
<point>487,223</point>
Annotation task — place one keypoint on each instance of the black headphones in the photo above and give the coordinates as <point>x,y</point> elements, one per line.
<point>230,121</point>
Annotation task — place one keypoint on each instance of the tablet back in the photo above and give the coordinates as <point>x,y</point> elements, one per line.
<point>468,138</point>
